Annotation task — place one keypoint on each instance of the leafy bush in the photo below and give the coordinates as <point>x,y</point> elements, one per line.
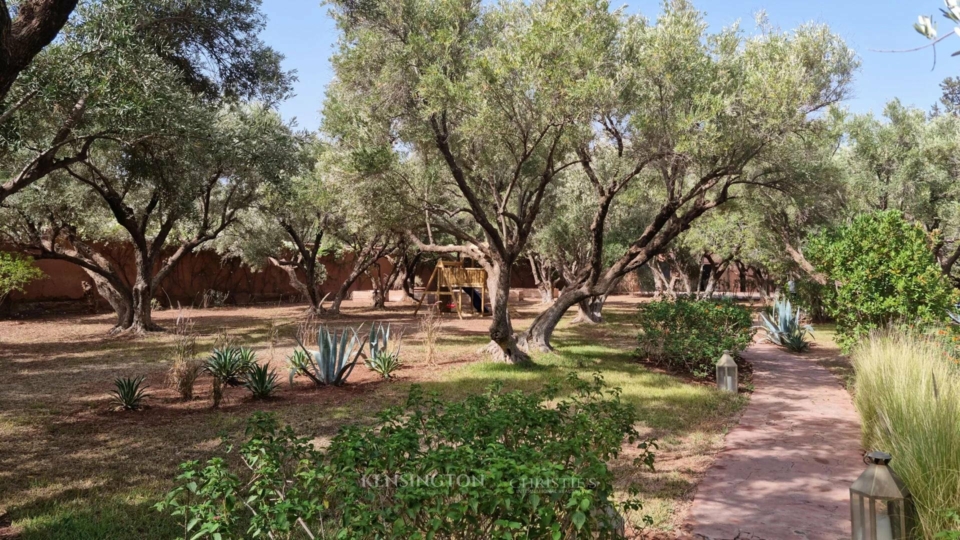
<point>385,363</point>
<point>331,364</point>
<point>15,273</point>
<point>884,271</point>
<point>496,465</point>
<point>908,397</point>
<point>691,335</point>
<point>129,394</point>
<point>783,327</point>
<point>261,381</point>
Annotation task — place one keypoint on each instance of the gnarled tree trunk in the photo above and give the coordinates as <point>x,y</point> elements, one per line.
<point>504,344</point>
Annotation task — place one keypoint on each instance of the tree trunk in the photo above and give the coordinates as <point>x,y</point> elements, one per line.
<point>142,311</point>
<point>537,337</point>
<point>590,310</point>
<point>503,344</point>
<point>542,276</point>
<point>341,295</point>
<point>679,274</point>
<point>661,286</point>
<point>120,300</point>
<point>716,272</point>
<point>383,285</point>
<point>546,293</point>
<point>742,274</point>
<point>141,296</point>
<point>308,289</point>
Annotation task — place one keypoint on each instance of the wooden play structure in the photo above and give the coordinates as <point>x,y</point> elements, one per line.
<point>454,280</point>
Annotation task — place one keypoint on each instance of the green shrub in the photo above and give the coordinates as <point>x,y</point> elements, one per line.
<point>261,381</point>
<point>496,465</point>
<point>691,335</point>
<point>884,271</point>
<point>15,273</point>
<point>907,391</point>
<point>129,393</point>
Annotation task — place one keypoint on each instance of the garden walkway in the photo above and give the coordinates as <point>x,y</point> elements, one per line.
<point>785,470</point>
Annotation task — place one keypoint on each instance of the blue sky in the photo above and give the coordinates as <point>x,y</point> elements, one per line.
<point>302,31</point>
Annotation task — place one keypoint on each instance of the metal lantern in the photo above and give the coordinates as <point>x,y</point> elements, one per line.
<point>880,505</point>
<point>727,373</point>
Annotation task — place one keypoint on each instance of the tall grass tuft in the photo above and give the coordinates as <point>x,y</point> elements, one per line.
<point>908,397</point>
<point>431,325</point>
<point>183,374</point>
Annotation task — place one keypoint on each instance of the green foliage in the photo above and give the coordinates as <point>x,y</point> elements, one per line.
<point>15,273</point>
<point>261,381</point>
<point>811,297</point>
<point>884,272</point>
<point>384,363</point>
<point>495,465</point>
<point>783,327</point>
<point>230,365</point>
<point>334,360</point>
<point>299,361</point>
<point>908,396</point>
<point>953,533</point>
<point>691,335</point>
<point>129,393</point>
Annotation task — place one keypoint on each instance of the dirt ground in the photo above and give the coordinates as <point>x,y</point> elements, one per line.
<point>72,467</point>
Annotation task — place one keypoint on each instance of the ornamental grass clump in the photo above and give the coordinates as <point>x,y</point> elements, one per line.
<point>908,395</point>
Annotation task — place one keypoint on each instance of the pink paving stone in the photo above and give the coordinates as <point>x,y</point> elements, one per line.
<point>785,470</point>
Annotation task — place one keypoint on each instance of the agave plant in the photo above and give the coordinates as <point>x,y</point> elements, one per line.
<point>334,360</point>
<point>230,365</point>
<point>261,381</point>
<point>783,327</point>
<point>129,394</point>
<point>379,338</point>
<point>955,314</point>
<point>385,363</point>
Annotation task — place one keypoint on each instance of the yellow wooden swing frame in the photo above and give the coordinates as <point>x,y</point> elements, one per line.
<point>454,277</point>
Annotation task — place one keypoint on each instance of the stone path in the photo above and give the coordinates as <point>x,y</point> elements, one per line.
<point>785,470</point>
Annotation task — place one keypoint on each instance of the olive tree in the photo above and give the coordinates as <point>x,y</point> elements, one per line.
<point>290,226</point>
<point>26,27</point>
<point>483,95</point>
<point>908,162</point>
<point>114,72</point>
<point>167,197</point>
<point>706,114</point>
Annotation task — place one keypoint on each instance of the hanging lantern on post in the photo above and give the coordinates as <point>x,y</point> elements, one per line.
<point>880,504</point>
<point>727,373</point>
